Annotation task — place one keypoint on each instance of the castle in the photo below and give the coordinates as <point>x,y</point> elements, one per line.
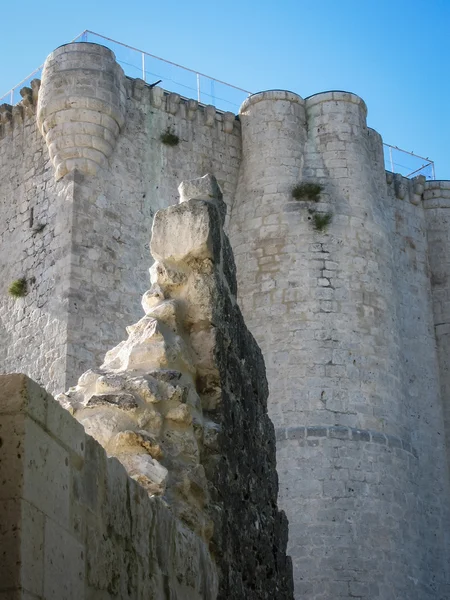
<point>345,288</point>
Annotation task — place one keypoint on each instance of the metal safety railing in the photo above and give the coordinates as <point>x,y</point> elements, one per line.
<point>171,76</point>
<point>207,90</point>
<point>407,163</point>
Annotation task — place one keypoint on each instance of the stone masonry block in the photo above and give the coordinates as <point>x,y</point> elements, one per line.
<point>183,232</point>
<point>21,546</point>
<point>65,428</point>
<point>18,393</point>
<point>63,564</point>
<point>12,450</point>
<point>46,474</point>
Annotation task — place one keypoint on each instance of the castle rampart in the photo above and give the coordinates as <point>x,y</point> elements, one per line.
<point>324,308</point>
<point>344,288</point>
<point>94,234</point>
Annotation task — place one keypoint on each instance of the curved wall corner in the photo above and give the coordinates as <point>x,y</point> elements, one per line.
<point>81,107</point>
<point>436,201</point>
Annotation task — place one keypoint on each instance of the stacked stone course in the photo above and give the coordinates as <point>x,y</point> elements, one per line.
<point>352,321</point>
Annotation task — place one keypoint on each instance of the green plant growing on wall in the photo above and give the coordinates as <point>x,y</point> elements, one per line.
<point>307,191</point>
<point>169,138</point>
<point>18,288</point>
<point>321,220</point>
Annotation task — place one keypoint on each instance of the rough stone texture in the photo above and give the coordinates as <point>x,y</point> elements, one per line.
<point>35,238</point>
<point>81,107</point>
<point>91,259</point>
<point>73,526</point>
<point>344,321</point>
<point>437,204</point>
<point>187,394</point>
<point>348,320</point>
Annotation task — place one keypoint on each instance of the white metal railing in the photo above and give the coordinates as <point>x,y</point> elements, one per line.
<point>171,76</point>
<point>407,163</point>
<point>207,90</point>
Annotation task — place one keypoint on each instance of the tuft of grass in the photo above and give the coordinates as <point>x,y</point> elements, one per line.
<point>169,138</point>
<point>322,220</point>
<point>18,288</point>
<point>307,191</point>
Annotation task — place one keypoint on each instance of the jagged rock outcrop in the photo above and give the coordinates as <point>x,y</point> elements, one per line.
<point>182,402</point>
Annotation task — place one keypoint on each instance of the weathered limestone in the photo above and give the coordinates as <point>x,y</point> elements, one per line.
<point>73,526</point>
<point>81,107</point>
<point>182,402</point>
<point>348,319</point>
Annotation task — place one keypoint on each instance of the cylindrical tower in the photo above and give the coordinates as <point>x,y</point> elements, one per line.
<point>437,204</point>
<point>81,106</point>
<point>317,289</point>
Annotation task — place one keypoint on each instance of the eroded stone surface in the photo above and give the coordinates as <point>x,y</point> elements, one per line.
<point>73,525</point>
<point>81,107</point>
<point>182,403</point>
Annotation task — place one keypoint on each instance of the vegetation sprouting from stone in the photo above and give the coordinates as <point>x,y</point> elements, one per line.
<point>169,138</point>
<point>18,288</point>
<point>321,220</point>
<point>307,191</point>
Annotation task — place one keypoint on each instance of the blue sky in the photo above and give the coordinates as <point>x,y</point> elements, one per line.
<point>395,54</point>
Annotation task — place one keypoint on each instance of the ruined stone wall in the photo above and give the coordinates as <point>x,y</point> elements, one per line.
<point>74,525</point>
<point>343,317</point>
<point>106,216</point>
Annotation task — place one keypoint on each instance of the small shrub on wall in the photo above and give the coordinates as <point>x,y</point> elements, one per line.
<point>321,220</point>
<point>169,138</point>
<point>18,288</point>
<point>307,191</point>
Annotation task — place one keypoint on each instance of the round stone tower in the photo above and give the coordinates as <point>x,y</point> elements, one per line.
<point>312,239</point>
<point>81,106</point>
<point>437,209</point>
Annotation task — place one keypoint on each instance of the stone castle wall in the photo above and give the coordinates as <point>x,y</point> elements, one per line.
<point>35,227</point>
<point>346,318</point>
<point>436,202</point>
<point>97,226</point>
<point>182,404</point>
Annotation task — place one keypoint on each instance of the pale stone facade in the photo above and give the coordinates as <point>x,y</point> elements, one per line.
<point>352,320</point>
<point>73,526</point>
<point>182,404</point>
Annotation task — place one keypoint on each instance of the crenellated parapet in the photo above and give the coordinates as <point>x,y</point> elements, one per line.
<point>410,190</point>
<point>12,117</point>
<point>183,108</point>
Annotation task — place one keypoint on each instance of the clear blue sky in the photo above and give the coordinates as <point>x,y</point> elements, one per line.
<point>395,54</point>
